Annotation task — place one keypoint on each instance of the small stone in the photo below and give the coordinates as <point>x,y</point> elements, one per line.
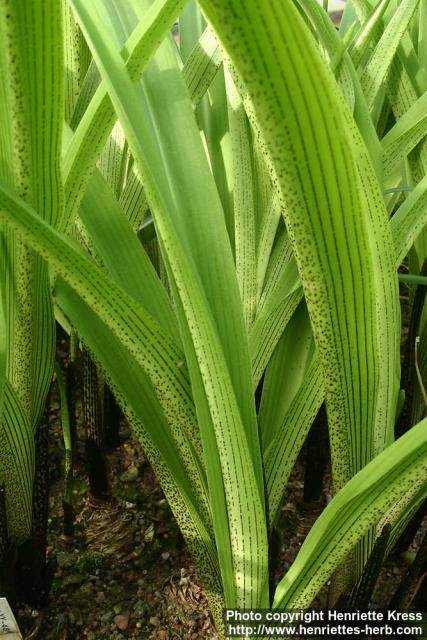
<point>154,621</point>
<point>72,580</point>
<point>166,555</point>
<point>130,475</point>
<point>121,622</point>
<point>124,432</point>
<point>149,533</point>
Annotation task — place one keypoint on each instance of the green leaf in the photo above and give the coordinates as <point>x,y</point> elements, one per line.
<point>280,298</point>
<point>409,220</point>
<point>404,136</point>
<point>376,70</point>
<point>335,216</point>
<point>133,200</point>
<point>77,60</point>
<point>284,448</point>
<point>243,199</point>
<point>113,161</point>
<point>16,464</point>
<point>3,348</point>
<point>422,35</point>
<point>96,123</point>
<point>197,253</point>
<point>123,255</point>
<point>32,112</point>
<point>412,278</point>
<point>202,65</point>
<point>367,34</point>
<point>191,25</point>
<point>285,373</point>
<point>171,462</point>
<point>152,348</point>
<point>398,471</point>
<point>333,45</point>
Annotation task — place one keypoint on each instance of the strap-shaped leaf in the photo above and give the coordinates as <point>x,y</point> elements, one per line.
<point>291,426</point>
<point>77,60</point>
<point>409,56</point>
<point>202,65</point>
<point>243,199</point>
<point>405,135</point>
<point>123,255</point>
<point>144,412</point>
<point>3,350</point>
<point>347,77</point>
<point>32,115</point>
<point>89,86</point>
<point>133,199</point>
<point>207,388</point>
<point>396,472</point>
<point>113,161</point>
<point>16,464</point>
<point>199,71</point>
<point>95,125</point>
<point>326,32</point>
<point>335,215</point>
<point>422,34</point>
<point>221,383</point>
<point>152,348</point>
<point>402,519</point>
<point>366,36</point>
<point>134,392</point>
<point>285,373</point>
<point>378,66</point>
<point>409,220</point>
<point>277,309</point>
<point>282,453</point>
<point>268,226</point>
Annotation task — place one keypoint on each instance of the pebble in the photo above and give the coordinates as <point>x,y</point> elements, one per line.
<point>122,622</point>
<point>130,475</point>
